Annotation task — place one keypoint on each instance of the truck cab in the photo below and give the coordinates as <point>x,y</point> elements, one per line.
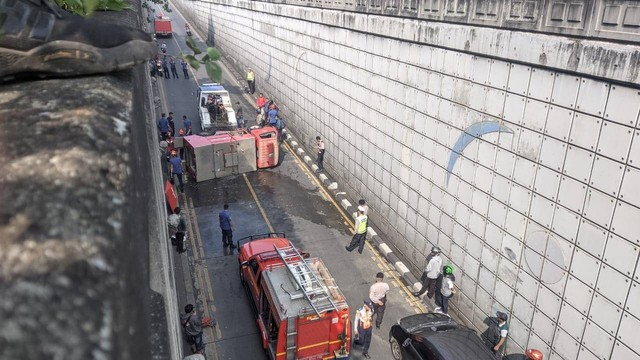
<point>210,121</point>
<point>300,310</point>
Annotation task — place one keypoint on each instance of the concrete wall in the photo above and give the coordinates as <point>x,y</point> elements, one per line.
<point>523,174</point>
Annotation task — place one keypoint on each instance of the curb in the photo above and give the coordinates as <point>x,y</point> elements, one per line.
<point>376,240</point>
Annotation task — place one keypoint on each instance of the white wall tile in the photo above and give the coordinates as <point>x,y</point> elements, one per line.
<point>494,104</point>
<point>565,223</point>
<point>606,175</point>
<point>633,300</point>
<point>520,199</point>
<point>591,238</point>
<point>621,254</point>
<point>585,268</point>
<point>514,108</point>
<point>598,341</point>
<point>572,194</point>
<point>615,141</point>
<point>605,314</point>
<point>634,153</point>
<point>535,115</point>
<point>565,346</point>
<point>525,172</point>
<point>623,105</point>
<point>552,153</point>
<point>540,85</point>
<point>529,144</point>
<point>598,207</point>
<point>628,331</point>
<point>622,352</point>
<point>481,70</point>
<point>613,285</point>
<point>519,79</point>
<point>542,210</point>
<point>543,327</point>
<point>592,96</point>
<point>549,303</point>
<point>572,321</point>
<point>547,182</point>
<point>585,131</point>
<point>559,122</point>
<point>625,222</point>
<point>565,90</point>
<point>578,164</point>
<point>629,190</point>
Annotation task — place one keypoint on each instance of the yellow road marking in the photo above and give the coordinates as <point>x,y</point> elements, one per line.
<point>351,224</point>
<point>193,227</point>
<point>255,198</point>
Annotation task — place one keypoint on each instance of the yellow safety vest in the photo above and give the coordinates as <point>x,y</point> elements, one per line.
<point>362,227</point>
<point>250,75</point>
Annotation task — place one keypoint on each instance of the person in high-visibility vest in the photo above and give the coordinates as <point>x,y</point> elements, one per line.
<point>360,231</point>
<point>251,81</point>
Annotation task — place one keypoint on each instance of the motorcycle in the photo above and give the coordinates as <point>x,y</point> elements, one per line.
<point>188,30</point>
<point>159,67</point>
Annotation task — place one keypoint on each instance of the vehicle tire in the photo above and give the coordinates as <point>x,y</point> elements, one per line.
<point>396,349</point>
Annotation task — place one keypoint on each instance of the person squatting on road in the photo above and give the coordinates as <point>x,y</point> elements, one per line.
<point>226,225</point>
<point>177,229</point>
<point>362,326</point>
<point>320,148</point>
<point>445,289</point>
<point>378,295</point>
<point>176,169</point>
<point>431,272</point>
<point>360,233</point>
<point>192,326</point>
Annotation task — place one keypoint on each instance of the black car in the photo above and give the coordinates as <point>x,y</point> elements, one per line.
<point>433,336</point>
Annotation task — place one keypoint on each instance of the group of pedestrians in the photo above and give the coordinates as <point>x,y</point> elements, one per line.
<point>268,114</point>
<point>171,146</point>
<point>374,306</point>
<point>164,63</point>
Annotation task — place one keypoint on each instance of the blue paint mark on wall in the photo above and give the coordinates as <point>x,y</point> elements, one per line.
<point>471,133</point>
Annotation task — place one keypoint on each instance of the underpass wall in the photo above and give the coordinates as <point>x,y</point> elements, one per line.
<point>523,173</point>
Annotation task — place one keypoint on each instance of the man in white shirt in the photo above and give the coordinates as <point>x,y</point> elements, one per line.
<point>378,296</point>
<point>320,148</point>
<point>431,273</point>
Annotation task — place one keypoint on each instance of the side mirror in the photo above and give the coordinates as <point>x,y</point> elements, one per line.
<point>406,342</point>
<point>244,264</point>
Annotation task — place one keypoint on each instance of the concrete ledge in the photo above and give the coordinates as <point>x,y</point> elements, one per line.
<point>78,207</point>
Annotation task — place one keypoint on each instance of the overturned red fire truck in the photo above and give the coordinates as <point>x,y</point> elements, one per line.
<point>301,312</point>
<point>230,152</point>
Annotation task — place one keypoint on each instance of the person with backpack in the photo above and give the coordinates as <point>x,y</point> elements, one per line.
<point>445,289</point>
<point>192,326</point>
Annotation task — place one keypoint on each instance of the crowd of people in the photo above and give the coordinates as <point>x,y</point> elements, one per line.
<point>167,66</point>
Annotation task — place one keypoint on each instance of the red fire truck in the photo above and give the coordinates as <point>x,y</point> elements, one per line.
<point>162,26</point>
<point>301,312</point>
<point>230,152</point>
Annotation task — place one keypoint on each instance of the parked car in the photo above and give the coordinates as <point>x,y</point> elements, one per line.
<point>434,336</point>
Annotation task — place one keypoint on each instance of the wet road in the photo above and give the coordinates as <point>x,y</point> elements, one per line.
<point>287,199</point>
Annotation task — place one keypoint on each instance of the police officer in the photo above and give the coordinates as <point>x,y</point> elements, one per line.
<point>360,233</point>
<point>363,330</point>
<point>251,81</point>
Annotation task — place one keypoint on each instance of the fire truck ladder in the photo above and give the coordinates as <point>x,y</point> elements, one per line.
<point>312,288</point>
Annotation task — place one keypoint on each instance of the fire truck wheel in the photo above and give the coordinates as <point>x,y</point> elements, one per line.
<point>396,349</point>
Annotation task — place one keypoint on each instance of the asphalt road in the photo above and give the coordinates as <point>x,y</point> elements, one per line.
<point>292,201</point>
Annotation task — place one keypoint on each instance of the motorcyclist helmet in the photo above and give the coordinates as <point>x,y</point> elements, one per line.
<point>447,269</point>
<point>435,250</point>
<point>534,354</point>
